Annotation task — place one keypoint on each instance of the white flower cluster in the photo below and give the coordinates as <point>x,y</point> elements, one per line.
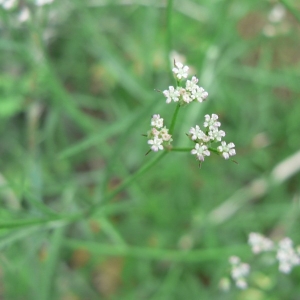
<point>286,255</point>
<point>239,272</point>
<point>158,136</point>
<point>191,92</point>
<point>205,139</point>
<point>259,243</point>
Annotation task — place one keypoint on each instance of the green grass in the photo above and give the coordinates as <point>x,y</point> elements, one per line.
<point>84,213</point>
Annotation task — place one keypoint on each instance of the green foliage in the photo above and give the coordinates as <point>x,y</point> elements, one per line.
<point>84,213</point>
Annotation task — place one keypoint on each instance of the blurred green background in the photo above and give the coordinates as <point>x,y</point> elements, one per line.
<point>77,91</point>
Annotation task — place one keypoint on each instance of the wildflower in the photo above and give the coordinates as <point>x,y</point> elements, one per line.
<point>188,94</point>
<point>259,243</point>
<point>157,121</point>
<point>239,271</point>
<point>204,141</point>
<point>196,133</point>
<point>211,122</point>
<point>180,70</point>
<point>199,94</point>
<point>154,132</point>
<point>158,136</point>
<point>171,94</point>
<point>204,138</point>
<point>156,144</point>
<point>164,133</point>
<point>186,97</point>
<point>227,150</point>
<point>200,151</point>
<point>191,84</point>
<point>287,256</point>
<point>216,134</point>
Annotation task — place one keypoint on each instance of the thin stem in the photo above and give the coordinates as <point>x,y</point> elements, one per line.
<point>142,170</point>
<point>174,119</point>
<point>213,150</point>
<point>125,183</point>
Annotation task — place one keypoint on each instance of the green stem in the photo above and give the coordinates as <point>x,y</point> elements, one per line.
<point>174,119</point>
<point>213,150</point>
<point>126,183</point>
<point>142,170</point>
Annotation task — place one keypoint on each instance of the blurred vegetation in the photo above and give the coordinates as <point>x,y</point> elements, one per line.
<point>77,91</point>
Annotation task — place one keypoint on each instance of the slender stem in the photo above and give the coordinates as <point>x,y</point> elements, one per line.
<point>214,150</point>
<point>174,119</point>
<point>126,183</point>
<point>142,170</point>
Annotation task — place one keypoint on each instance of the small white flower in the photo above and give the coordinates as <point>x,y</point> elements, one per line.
<point>200,151</point>
<point>157,121</point>
<point>196,132</point>
<point>239,271</point>
<point>191,84</point>
<point>227,150</point>
<point>259,243</point>
<point>287,256</point>
<point>285,244</point>
<point>164,133</point>
<point>199,94</point>
<point>216,134</point>
<point>156,144</point>
<point>241,283</point>
<point>211,122</point>
<point>185,95</point>
<point>180,70</point>
<point>164,130</point>
<point>171,94</point>
<point>285,267</point>
<point>186,98</point>
<point>166,137</point>
<point>154,131</point>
